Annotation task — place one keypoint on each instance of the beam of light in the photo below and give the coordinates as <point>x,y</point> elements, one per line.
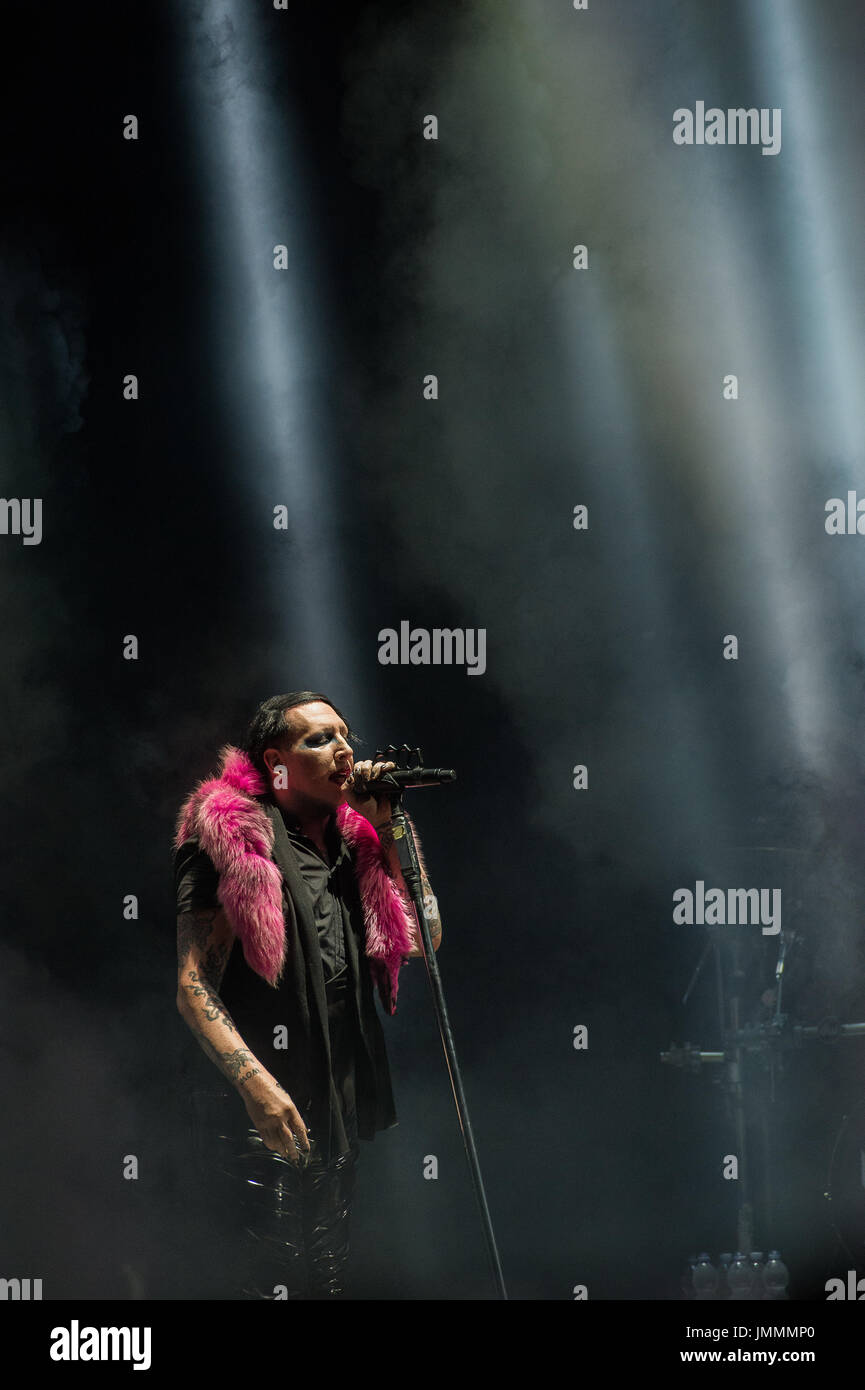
<point>749,445</point>
<point>268,325</point>
<point>779,477</point>
<point>714,291</point>
<point>815,176</point>
<point>608,416</point>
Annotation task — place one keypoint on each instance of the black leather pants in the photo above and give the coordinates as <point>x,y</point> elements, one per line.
<point>294,1221</point>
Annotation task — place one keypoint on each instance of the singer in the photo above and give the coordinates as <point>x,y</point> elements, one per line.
<point>291,910</point>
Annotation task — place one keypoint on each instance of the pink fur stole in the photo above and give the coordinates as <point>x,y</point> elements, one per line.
<point>234,830</point>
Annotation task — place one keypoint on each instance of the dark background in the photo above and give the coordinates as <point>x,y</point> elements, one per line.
<point>602,1167</point>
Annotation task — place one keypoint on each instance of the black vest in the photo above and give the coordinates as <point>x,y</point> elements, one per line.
<point>295,1013</point>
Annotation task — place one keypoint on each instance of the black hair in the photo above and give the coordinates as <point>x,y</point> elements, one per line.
<point>268,726</point>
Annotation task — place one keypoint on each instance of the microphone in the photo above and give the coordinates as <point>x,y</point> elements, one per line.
<point>401,777</point>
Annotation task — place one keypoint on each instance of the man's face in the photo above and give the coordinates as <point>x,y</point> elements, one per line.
<point>317,756</point>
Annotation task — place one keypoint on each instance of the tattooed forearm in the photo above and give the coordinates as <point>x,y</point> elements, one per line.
<point>212,1006</point>
<point>205,942</point>
<point>234,1062</point>
<point>207,1046</point>
<point>430,912</point>
<point>231,1064</point>
<point>430,906</point>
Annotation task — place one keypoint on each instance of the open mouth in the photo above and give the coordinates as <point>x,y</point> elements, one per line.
<point>340,777</point>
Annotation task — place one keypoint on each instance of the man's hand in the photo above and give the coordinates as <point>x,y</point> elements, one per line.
<point>277,1119</point>
<point>377,810</point>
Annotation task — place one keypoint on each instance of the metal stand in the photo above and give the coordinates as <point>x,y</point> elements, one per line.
<point>410,866</point>
<point>769,1041</point>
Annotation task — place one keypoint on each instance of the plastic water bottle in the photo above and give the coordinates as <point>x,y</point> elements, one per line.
<point>776,1277</point>
<point>705,1279</point>
<point>724,1275</point>
<point>686,1283</point>
<point>739,1277</point>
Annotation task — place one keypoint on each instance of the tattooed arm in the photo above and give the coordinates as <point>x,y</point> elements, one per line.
<point>204,941</point>
<point>431,912</point>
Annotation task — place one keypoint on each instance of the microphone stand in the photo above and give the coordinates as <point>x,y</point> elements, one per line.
<point>410,866</point>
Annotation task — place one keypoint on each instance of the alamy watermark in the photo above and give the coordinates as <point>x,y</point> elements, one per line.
<point>77,1343</point>
<point>22,516</point>
<point>735,126</point>
<point>439,646</point>
<point>20,1290</point>
<point>854,1289</point>
<point>732,907</point>
<point>845,519</point>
